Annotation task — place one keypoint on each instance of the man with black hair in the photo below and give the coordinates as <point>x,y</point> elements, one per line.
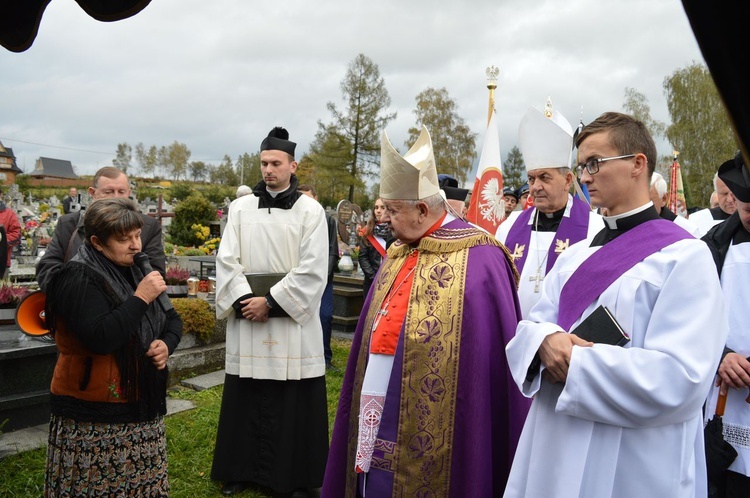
<point>271,270</point>
<point>511,200</point>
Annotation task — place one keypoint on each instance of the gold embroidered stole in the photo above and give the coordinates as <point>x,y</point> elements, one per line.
<point>422,456</point>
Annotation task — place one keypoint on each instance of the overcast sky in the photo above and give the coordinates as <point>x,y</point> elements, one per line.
<point>219,75</point>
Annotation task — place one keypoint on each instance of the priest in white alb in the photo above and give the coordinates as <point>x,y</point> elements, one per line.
<point>536,236</point>
<point>273,425</point>
<point>608,420</point>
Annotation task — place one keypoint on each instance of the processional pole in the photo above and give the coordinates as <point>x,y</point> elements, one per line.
<point>492,74</point>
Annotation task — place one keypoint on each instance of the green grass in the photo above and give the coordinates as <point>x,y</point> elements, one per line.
<point>191,436</point>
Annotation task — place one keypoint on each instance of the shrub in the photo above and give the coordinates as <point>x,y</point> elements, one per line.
<point>176,276</point>
<point>194,251</point>
<point>195,209</point>
<point>197,317</point>
<point>181,191</point>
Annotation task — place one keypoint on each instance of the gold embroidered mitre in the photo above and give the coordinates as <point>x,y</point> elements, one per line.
<point>546,139</point>
<point>412,177</point>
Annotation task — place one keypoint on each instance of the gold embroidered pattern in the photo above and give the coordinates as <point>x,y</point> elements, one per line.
<point>424,444</point>
<point>388,272</point>
<point>421,457</point>
<point>561,245</point>
<point>518,252</point>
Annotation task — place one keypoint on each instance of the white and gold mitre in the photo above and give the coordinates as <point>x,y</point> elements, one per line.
<point>412,177</point>
<point>546,139</point>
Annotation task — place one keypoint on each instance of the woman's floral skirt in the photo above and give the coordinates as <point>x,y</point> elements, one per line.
<point>95,459</point>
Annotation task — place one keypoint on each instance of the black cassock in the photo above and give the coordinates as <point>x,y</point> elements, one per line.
<point>272,433</point>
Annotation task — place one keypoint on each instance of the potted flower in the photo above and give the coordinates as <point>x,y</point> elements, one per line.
<point>10,296</point>
<point>176,279</point>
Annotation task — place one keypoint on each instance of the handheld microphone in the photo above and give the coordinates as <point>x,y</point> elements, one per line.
<point>141,261</point>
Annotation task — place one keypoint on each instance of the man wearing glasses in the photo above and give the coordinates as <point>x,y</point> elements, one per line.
<point>609,420</point>
<point>536,236</point>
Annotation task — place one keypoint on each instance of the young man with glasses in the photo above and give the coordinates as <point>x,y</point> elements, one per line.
<point>536,236</point>
<point>608,420</point>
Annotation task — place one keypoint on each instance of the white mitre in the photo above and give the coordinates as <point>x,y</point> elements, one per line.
<point>412,177</point>
<point>546,139</point>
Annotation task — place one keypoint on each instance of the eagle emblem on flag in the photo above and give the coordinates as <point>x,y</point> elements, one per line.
<point>492,205</point>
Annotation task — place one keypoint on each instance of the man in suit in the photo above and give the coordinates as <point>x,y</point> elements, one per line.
<point>70,202</point>
<point>68,237</point>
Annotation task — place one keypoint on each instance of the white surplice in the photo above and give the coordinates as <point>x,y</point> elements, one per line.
<point>627,422</point>
<point>295,242</point>
<point>735,277</point>
<point>690,227</point>
<point>704,220</point>
<point>537,253</point>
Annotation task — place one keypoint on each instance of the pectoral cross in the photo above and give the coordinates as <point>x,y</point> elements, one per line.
<point>270,342</point>
<point>536,279</point>
<point>380,314</point>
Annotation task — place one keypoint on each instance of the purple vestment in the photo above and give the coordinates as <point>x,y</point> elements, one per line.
<point>489,411</point>
<point>610,262</point>
<point>573,228</point>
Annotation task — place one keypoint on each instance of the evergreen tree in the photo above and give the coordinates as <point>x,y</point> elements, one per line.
<point>328,168</point>
<point>514,169</point>
<point>354,133</point>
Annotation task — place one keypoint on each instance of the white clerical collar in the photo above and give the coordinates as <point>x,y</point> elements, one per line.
<point>611,221</point>
<point>273,193</point>
<point>566,214</point>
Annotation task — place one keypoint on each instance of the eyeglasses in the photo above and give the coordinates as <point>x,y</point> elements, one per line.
<point>592,165</point>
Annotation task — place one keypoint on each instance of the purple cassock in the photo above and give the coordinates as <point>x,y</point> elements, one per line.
<point>452,414</point>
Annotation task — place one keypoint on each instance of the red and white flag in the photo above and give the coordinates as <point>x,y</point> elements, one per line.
<point>487,205</point>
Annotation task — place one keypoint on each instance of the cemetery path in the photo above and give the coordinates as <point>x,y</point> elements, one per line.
<point>36,437</point>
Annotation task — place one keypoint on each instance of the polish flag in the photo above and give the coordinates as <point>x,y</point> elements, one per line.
<point>487,206</point>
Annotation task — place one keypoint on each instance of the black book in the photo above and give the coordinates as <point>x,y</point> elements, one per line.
<point>601,327</point>
<point>261,283</point>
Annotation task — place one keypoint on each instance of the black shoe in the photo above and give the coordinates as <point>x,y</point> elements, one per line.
<point>234,487</point>
<point>331,367</point>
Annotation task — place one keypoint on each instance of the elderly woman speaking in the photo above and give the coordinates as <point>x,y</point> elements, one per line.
<point>108,392</point>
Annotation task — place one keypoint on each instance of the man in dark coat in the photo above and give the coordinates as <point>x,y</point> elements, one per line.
<point>68,237</point>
